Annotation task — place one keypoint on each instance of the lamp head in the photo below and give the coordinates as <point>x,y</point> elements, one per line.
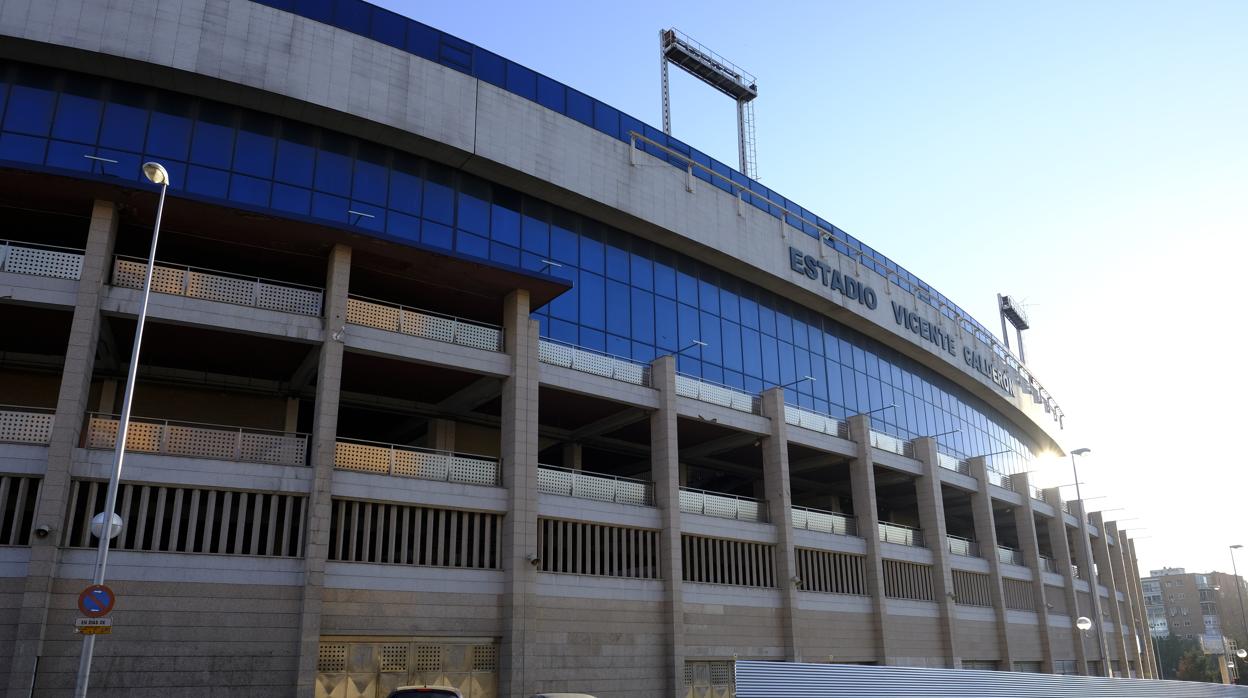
<point>1080,451</point>
<point>1241,653</point>
<point>1083,623</point>
<point>1236,547</point>
<point>156,173</point>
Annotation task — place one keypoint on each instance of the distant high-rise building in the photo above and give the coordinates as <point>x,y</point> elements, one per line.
<point>1190,604</point>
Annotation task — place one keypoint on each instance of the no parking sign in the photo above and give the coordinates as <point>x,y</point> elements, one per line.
<point>96,601</point>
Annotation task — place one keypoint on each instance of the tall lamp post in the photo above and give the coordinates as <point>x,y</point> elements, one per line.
<point>1097,619</point>
<point>109,523</point>
<point>1239,591</point>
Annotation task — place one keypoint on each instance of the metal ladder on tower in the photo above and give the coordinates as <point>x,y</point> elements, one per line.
<point>745,135</point>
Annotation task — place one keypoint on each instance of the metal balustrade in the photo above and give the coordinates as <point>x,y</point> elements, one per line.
<point>596,486</point>
<point>1035,492</point>
<point>949,462</point>
<point>892,444</point>
<point>724,506</point>
<point>40,260</point>
<point>415,462</point>
<point>824,521</point>
<point>25,425</point>
<point>1010,556</point>
<point>962,546</point>
<point>196,440</point>
<point>999,478</point>
<point>219,286</point>
<point>392,317</point>
<point>815,421</point>
<point>716,394</point>
<point>1066,508</point>
<point>901,535</point>
<point>1048,564</point>
<point>589,361</point>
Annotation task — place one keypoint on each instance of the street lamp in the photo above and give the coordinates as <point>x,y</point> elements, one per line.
<point>1239,590</point>
<point>1092,583</point>
<point>156,173</point>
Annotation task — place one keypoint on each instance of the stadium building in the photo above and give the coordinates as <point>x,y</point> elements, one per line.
<point>455,374</point>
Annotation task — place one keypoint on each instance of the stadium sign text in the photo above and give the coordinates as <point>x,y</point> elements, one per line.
<point>851,288</point>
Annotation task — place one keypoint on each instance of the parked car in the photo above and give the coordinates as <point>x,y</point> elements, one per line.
<point>425,692</point>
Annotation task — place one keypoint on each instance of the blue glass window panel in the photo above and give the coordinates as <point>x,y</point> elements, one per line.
<point>831,347</point>
<point>617,259</point>
<point>294,162</point>
<point>333,166</point>
<point>730,340</point>
<point>177,175</point>
<point>655,135</point>
<point>860,387</point>
<point>689,365</point>
<point>128,165</point>
<point>767,320</point>
<point>330,207</point>
<point>370,182</point>
<point>388,28</point>
<point>712,373</point>
<point>505,225</point>
<point>455,53</point>
<point>4,94</point>
<point>550,94</point>
<point>565,305</point>
<point>319,10</point>
<point>472,245</point>
<point>405,186</point>
<point>713,352</point>
<point>212,144</point>
<point>729,308</point>
<point>644,353</point>
<point>628,123</point>
<point>168,136</point>
<point>521,81</point>
<point>403,227</point>
<point>642,305</point>
<point>617,346</point>
<point>799,333</point>
<point>564,245</point>
<point>664,279</point>
<point>422,40</point>
<point>849,389</point>
<point>834,391</point>
<point>208,181</point>
<point>873,366</point>
<point>734,379</point>
<point>708,296</point>
<point>535,236</point>
<point>352,15</point>
<point>375,220</point>
<point>860,359</point>
<point>818,370</point>
<point>784,327</point>
<point>436,235</point>
<point>749,312</point>
<point>641,271</point>
<point>591,288</point>
<point>564,331</point>
<point>254,146</point>
<point>751,352</point>
<point>125,119</point>
<point>30,110</point>
<point>580,107</point>
<point>606,119</point>
<point>618,308</point>
<point>686,288</point>
<point>504,254</point>
<point>593,339</point>
<point>591,253</point>
<point>788,371</point>
<point>665,324</point>
<point>490,67</point>
<point>250,190</point>
<point>14,146</point>
<point>77,118</point>
<point>771,360</point>
<point>439,203</point>
<point>70,156</point>
<point>689,329</point>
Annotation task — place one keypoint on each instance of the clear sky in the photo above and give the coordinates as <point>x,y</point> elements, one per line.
<point>1090,159</point>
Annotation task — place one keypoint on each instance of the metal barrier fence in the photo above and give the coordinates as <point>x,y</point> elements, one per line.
<point>716,394</point>
<point>25,425</point>
<point>815,421</point>
<point>40,260</point>
<point>824,521</point>
<point>589,361</point>
<point>724,506</point>
<point>901,535</point>
<point>892,444</point>
<point>1047,564</point>
<point>392,317</point>
<point>1010,556</point>
<point>948,462</point>
<point>196,440</point>
<point>1035,492</point>
<point>413,462</point>
<point>962,546</point>
<point>223,287</point>
<point>595,486</point>
<point>18,496</point>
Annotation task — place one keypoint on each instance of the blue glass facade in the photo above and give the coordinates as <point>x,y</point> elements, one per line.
<point>629,297</point>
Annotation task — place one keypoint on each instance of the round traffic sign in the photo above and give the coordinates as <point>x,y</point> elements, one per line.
<point>96,600</point>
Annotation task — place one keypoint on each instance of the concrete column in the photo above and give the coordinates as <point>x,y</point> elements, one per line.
<point>1100,553</point>
<point>931,502</point>
<point>778,495</point>
<point>1124,583</point>
<point>292,414</point>
<point>442,435</point>
<point>572,454</point>
<point>108,397</point>
<point>1133,565</point>
<point>862,485</point>
<point>986,536</point>
<point>519,449</point>
<point>667,475</point>
<point>1139,612</point>
<point>323,439</point>
<point>71,407</point>
<point>1083,557</point>
<point>1025,524</point>
<point>1061,553</point>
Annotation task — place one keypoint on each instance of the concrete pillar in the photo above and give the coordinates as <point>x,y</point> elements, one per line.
<point>442,435</point>
<point>292,414</point>
<point>1114,641</point>
<point>519,449</point>
<point>323,438</point>
<point>778,496</point>
<point>572,454</point>
<point>931,502</point>
<point>1061,553</point>
<point>1150,651</point>
<point>71,408</point>
<point>108,397</point>
<point>986,536</point>
<point>1025,524</point>
<point>1124,583</point>
<point>1083,557</point>
<point>1139,612</point>
<point>667,475</point>
<point>862,484</point>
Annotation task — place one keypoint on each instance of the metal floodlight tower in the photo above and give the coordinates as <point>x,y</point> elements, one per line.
<point>712,69</point>
<point>1012,311</point>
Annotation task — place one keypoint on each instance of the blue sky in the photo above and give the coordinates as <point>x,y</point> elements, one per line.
<point>1090,159</point>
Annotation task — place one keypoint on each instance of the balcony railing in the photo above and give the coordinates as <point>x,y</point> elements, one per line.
<point>716,394</point>
<point>413,462</point>
<point>392,317</point>
<point>1010,556</point>
<point>1035,493</point>
<point>589,361</point>
<point>219,286</point>
<point>901,535</point>
<point>724,506</point>
<point>892,444</point>
<point>814,421</point>
<point>40,260</point>
<point>949,462</point>
<point>998,478</point>
<point>596,486</point>
<point>824,521</point>
<point>1048,564</point>
<point>25,425</point>
<point>196,440</point>
<point>1066,508</point>
<point>962,546</point>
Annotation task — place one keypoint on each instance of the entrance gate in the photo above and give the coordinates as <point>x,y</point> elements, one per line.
<point>354,667</point>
